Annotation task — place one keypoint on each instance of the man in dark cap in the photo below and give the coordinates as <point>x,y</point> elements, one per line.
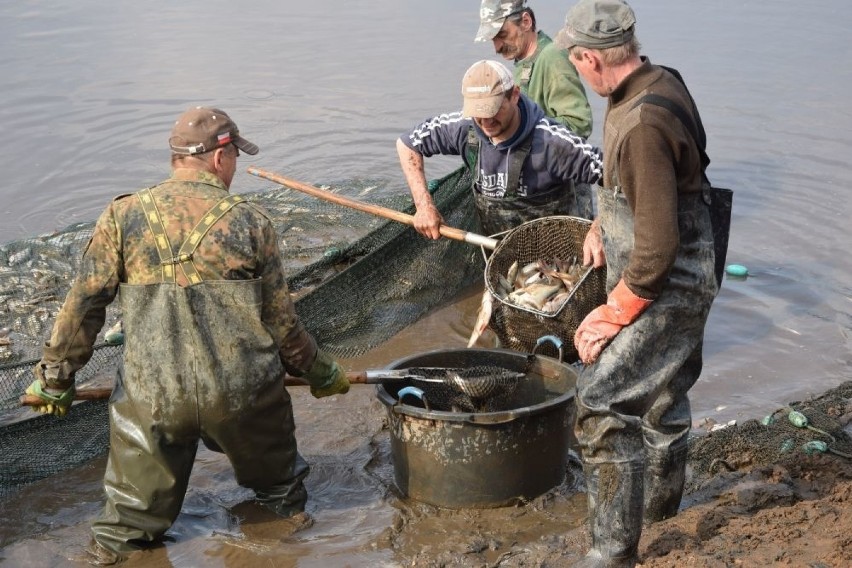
<point>211,331</point>
<point>653,232</point>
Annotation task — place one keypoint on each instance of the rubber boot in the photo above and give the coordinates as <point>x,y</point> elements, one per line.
<point>614,493</point>
<point>665,475</point>
<point>288,498</point>
<point>99,555</point>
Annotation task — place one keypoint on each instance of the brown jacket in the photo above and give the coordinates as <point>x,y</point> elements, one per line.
<point>653,158</point>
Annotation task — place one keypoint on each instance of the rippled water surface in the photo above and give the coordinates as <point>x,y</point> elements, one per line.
<point>90,90</point>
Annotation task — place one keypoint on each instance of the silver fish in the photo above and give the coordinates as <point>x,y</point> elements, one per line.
<point>486,306</point>
<point>512,274</point>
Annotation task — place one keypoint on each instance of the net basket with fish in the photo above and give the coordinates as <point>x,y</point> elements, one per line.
<point>538,285</point>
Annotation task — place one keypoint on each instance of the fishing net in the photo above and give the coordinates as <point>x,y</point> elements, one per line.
<point>357,281</point>
<point>545,239</point>
<point>482,388</point>
<point>779,437</point>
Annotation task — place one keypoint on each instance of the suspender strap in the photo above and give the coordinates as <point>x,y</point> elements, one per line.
<point>694,126</point>
<point>472,154</point>
<point>191,243</point>
<point>184,256</point>
<point>681,115</point>
<point>720,201</point>
<point>516,161</point>
<point>155,223</point>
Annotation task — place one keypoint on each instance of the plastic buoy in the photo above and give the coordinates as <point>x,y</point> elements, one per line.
<point>114,338</point>
<point>737,270</point>
<point>331,253</point>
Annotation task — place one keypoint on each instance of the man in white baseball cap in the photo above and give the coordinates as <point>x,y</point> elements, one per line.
<point>523,164</point>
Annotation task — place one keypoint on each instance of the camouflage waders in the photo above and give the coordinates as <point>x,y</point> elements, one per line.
<point>633,413</point>
<point>198,364</point>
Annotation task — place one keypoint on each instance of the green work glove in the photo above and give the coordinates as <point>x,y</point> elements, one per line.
<point>56,401</point>
<point>326,376</point>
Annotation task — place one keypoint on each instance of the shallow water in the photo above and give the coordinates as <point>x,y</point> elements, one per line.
<point>324,88</point>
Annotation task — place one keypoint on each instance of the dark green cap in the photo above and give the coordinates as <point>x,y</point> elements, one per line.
<point>597,24</point>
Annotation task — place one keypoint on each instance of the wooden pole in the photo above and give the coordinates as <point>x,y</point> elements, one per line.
<point>378,210</point>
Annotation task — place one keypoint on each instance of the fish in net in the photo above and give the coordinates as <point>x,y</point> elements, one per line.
<point>482,388</point>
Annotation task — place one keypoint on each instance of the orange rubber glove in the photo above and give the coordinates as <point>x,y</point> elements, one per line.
<point>604,322</point>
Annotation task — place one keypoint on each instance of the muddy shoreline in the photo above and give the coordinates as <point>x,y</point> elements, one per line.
<point>795,510</point>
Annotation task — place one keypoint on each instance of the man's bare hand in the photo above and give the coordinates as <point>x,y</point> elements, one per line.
<point>593,250</point>
<point>427,221</point>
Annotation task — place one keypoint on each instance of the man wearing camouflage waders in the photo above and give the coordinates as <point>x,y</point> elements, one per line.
<point>210,331</point>
<point>643,347</point>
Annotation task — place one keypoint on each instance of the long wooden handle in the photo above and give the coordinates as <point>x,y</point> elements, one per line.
<point>103,393</point>
<point>378,210</point>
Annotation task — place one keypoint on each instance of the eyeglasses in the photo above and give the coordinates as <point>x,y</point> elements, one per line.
<point>236,153</point>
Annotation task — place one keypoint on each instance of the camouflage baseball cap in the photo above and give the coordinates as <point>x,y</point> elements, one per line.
<point>484,85</point>
<point>597,24</point>
<point>202,129</point>
<point>493,13</point>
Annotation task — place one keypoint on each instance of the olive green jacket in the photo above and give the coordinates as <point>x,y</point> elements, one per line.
<point>550,79</point>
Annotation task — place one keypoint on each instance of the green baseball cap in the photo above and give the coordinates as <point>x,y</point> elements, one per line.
<point>492,15</point>
<point>597,24</point>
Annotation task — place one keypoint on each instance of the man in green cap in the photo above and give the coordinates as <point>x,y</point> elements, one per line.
<point>643,348</point>
<point>211,331</point>
<point>542,70</point>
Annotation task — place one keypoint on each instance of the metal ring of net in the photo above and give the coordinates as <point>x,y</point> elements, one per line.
<point>471,389</point>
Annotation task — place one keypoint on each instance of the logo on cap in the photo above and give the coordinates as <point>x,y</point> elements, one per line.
<point>203,129</point>
<point>484,87</point>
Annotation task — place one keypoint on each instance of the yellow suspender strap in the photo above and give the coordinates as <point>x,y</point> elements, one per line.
<point>184,256</point>
<point>155,223</point>
<point>191,243</point>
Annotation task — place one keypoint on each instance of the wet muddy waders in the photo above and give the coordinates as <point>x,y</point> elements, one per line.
<point>633,413</point>
<point>190,373</point>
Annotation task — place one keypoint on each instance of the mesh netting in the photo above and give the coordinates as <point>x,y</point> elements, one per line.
<point>38,447</point>
<point>357,280</point>
<point>481,388</point>
<point>543,240</point>
<point>398,276</point>
<point>774,439</point>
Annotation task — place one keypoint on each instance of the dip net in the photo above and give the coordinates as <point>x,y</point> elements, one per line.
<point>482,388</point>
<point>357,281</point>
<point>546,239</point>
